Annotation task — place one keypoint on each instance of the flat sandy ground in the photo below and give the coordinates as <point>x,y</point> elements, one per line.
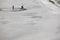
<point>34,24</point>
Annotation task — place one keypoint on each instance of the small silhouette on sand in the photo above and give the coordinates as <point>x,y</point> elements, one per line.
<point>13,7</point>
<point>22,8</point>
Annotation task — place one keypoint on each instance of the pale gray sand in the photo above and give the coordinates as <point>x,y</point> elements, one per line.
<point>29,25</point>
<point>32,24</point>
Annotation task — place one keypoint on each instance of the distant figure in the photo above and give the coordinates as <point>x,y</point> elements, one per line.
<point>13,7</point>
<point>22,8</point>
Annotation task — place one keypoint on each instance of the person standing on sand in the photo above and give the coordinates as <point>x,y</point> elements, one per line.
<point>13,7</point>
<point>22,8</point>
